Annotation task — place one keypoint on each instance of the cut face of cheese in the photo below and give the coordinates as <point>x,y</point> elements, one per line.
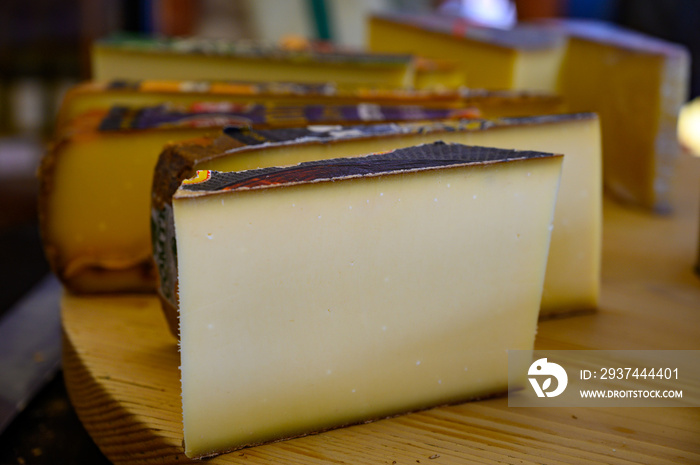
<point>573,272</point>
<point>520,58</point>
<point>96,181</point>
<point>94,208</point>
<point>92,96</point>
<point>197,59</point>
<point>344,291</point>
<point>637,85</point>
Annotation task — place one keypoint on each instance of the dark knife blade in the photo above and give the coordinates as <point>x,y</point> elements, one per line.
<point>30,347</point>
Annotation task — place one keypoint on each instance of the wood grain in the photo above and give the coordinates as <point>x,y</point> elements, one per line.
<point>121,369</point>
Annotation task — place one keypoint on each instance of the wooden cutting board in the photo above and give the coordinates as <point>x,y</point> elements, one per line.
<point>121,369</point>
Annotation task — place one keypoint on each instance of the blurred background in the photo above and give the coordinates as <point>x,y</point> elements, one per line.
<point>44,49</point>
<point>44,45</point>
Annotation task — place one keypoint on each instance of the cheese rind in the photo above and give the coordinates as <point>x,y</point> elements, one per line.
<point>258,115</point>
<point>313,304</point>
<point>573,276</point>
<point>195,58</point>
<point>91,96</point>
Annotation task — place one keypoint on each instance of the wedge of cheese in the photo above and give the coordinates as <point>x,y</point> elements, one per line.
<point>525,57</point>
<point>96,181</point>
<point>573,271</point>
<point>91,96</point>
<point>197,58</point>
<point>348,290</point>
<point>637,85</point>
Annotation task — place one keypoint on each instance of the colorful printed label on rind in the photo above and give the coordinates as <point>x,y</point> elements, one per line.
<point>228,87</point>
<point>325,133</point>
<point>252,137</point>
<point>200,176</point>
<point>219,114</point>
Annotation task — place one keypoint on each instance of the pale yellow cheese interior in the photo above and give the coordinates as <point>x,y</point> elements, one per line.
<point>315,306</point>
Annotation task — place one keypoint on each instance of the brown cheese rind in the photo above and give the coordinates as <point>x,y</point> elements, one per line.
<point>426,156</point>
<point>122,92</point>
<point>259,115</point>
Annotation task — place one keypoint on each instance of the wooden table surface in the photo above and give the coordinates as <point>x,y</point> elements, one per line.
<point>121,370</point>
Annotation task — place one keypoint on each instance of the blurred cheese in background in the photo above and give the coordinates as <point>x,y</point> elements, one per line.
<point>689,137</point>
<point>91,96</point>
<point>636,83</point>
<point>689,127</point>
<point>197,58</point>
<point>525,58</point>
<point>437,74</point>
<point>94,96</point>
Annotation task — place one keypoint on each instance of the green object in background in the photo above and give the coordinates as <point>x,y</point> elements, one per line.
<point>319,12</point>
